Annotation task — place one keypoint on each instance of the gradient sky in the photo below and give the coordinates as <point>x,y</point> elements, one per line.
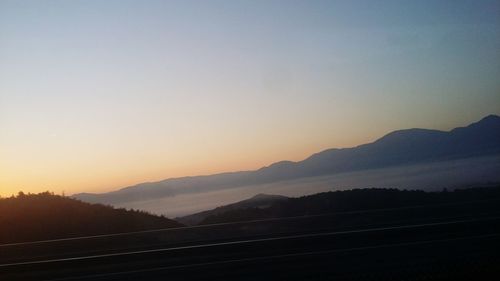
<point>98,95</point>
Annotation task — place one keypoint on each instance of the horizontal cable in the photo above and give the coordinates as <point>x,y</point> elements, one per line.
<point>244,260</point>
<point>239,223</point>
<point>247,241</point>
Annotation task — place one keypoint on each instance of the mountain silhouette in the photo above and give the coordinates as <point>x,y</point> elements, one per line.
<point>398,148</point>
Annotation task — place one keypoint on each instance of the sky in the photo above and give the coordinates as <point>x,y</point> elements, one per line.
<point>98,95</point>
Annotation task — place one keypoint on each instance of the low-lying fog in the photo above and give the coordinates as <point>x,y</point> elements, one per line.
<point>435,176</point>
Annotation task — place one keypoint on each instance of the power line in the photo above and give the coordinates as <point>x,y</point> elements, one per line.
<point>247,242</point>
<point>239,223</point>
<point>243,260</point>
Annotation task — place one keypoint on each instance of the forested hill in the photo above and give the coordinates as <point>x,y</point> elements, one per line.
<point>355,200</point>
<point>32,217</point>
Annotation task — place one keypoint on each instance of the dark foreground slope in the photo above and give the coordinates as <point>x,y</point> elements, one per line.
<point>259,201</point>
<point>46,216</point>
<point>348,201</point>
<point>399,148</point>
<point>437,236</point>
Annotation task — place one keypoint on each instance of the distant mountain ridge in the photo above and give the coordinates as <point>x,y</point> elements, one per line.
<point>402,147</point>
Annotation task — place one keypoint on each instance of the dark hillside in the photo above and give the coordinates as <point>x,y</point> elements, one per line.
<point>259,201</point>
<point>44,216</point>
<point>354,200</point>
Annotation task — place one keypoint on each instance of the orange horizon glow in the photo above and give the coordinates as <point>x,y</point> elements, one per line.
<point>120,177</point>
<point>90,177</point>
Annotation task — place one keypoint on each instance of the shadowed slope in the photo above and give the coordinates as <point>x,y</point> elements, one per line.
<point>259,201</point>
<point>45,216</point>
<point>354,200</point>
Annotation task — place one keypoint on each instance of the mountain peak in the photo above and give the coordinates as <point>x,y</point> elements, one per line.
<point>408,134</point>
<point>278,164</point>
<point>490,117</point>
<point>490,123</point>
<point>488,120</point>
<point>263,196</point>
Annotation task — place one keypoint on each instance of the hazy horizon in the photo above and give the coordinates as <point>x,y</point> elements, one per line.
<point>98,95</point>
